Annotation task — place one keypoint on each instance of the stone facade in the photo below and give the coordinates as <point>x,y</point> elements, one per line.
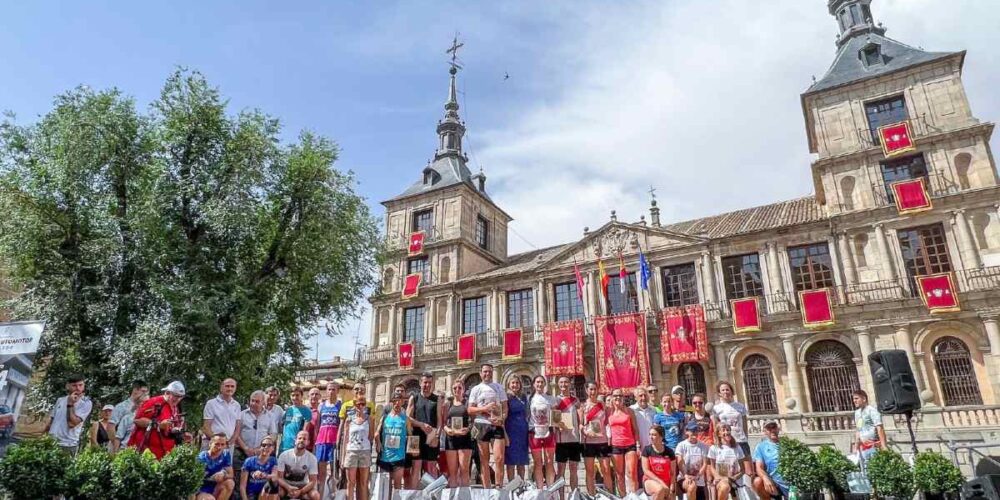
<point>849,237</point>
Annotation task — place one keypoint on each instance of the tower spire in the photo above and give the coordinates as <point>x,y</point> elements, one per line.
<point>854,18</point>
<point>451,129</point>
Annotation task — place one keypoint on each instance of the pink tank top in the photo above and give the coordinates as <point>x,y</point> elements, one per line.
<point>621,430</point>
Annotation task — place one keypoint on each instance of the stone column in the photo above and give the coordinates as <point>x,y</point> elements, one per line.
<point>865,341</point>
<point>370,389</point>
<point>449,320</point>
<point>542,314</point>
<point>847,259</point>
<point>450,380</point>
<point>966,243</point>
<point>595,294</point>
<point>430,317</point>
<point>774,269</point>
<point>904,339</point>
<point>992,326</point>
<point>657,298</point>
<point>708,276</point>
<point>393,339</point>
<point>794,377</point>
<point>884,254</point>
<point>721,363</point>
<point>376,335</point>
<point>493,320</point>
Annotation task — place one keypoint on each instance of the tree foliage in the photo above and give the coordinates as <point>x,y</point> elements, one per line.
<point>180,243</point>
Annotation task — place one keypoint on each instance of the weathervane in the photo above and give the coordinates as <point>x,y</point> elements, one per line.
<point>453,50</point>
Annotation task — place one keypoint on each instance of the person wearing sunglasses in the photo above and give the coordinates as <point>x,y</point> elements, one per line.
<point>255,481</point>
<point>700,416</point>
<point>356,434</point>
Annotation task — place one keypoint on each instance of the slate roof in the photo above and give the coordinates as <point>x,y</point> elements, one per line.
<point>452,170</point>
<point>848,67</point>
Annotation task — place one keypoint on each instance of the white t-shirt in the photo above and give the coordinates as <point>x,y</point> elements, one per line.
<point>569,419</point>
<point>732,414</point>
<point>866,420</point>
<point>644,420</point>
<point>278,415</point>
<point>538,414</point>
<point>297,468</point>
<point>693,458</point>
<point>484,394</point>
<point>357,434</point>
<point>726,458</point>
<point>60,429</point>
<point>223,415</point>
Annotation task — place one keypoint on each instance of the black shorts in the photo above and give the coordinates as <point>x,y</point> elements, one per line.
<point>391,466</point>
<point>622,450</point>
<point>428,453</point>
<point>456,443</point>
<point>568,452</point>
<point>596,450</point>
<point>489,432</point>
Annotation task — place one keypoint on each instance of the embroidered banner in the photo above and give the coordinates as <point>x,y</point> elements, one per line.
<point>411,285</point>
<point>939,293</point>
<point>746,315</point>
<point>405,355</point>
<point>467,348</point>
<point>896,139</point>
<point>564,348</point>
<point>817,308</point>
<point>683,336</point>
<point>416,243</point>
<point>512,344</point>
<point>622,358</point>
<point>911,196</point>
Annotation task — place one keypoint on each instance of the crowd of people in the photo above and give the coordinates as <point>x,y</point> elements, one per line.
<point>666,447</point>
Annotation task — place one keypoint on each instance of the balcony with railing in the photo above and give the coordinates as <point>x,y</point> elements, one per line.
<point>939,184</point>
<point>401,241</point>
<point>918,128</point>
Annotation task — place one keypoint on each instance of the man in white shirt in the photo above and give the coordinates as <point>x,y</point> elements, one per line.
<point>255,424</point>
<point>222,415</point>
<point>488,404</point>
<point>644,414</point>
<point>297,470</point>
<point>272,406</point>
<point>124,413</point>
<point>66,421</point>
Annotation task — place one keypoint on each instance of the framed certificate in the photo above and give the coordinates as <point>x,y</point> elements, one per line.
<point>457,423</point>
<point>595,427</point>
<point>392,441</point>
<point>555,418</point>
<point>412,445</point>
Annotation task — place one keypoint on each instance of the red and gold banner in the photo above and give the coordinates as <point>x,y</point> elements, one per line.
<point>564,348</point>
<point>683,336</point>
<point>416,246</point>
<point>911,196</point>
<point>411,285</point>
<point>405,355</point>
<point>512,344</point>
<point>622,358</point>
<point>939,293</point>
<point>746,315</point>
<point>896,138</point>
<point>817,308</point>
<point>467,348</point>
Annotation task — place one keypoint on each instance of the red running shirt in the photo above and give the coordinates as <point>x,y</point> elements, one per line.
<point>659,462</point>
<point>622,435</point>
<point>159,443</point>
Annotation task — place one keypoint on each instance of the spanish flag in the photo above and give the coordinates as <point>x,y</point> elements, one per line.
<point>604,278</point>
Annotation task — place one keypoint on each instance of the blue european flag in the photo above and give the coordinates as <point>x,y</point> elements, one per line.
<point>644,273</point>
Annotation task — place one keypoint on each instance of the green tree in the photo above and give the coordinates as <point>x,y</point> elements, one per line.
<point>182,243</point>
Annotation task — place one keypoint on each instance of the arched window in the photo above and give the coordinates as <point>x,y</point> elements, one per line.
<point>980,224</point>
<point>847,192</point>
<point>962,163</point>
<point>833,376</point>
<point>860,245</point>
<point>954,370</point>
<point>691,376</point>
<point>758,382</point>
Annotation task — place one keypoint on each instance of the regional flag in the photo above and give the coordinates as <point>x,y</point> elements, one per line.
<point>622,273</point>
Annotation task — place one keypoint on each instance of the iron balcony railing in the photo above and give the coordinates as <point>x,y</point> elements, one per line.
<point>919,127</point>
<point>401,241</point>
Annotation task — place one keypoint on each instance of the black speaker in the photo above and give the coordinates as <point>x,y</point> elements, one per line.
<point>983,487</point>
<point>895,387</point>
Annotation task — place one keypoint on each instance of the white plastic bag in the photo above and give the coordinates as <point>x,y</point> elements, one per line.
<point>381,489</point>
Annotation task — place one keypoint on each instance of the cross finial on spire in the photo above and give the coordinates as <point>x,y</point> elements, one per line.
<point>652,192</point>
<point>453,50</point>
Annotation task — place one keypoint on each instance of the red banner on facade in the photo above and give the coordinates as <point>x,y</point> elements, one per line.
<point>564,348</point>
<point>467,348</point>
<point>746,315</point>
<point>817,308</point>
<point>622,358</point>
<point>683,336</point>
<point>896,139</point>
<point>911,196</point>
<point>512,344</point>
<point>939,293</point>
<point>416,246</point>
<point>411,285</point>
<point>405,355</point>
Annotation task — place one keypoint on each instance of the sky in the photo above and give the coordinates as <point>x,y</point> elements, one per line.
<point>698,99</point>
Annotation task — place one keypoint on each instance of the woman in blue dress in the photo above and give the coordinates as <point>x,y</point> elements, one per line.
<point>516,457</point>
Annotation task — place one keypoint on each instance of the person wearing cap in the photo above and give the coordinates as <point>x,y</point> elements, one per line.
<point>692,461</point>
<point>159,423</point>
<point>66,421</point>
<point>124,412</point>
<point>672,417</point>
<point>769,483</point>
<point>102,430</point>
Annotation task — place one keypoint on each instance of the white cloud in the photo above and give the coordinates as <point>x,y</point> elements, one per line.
<point>697,98</point>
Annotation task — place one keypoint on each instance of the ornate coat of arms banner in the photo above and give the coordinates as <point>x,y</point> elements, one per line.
<point>564,348</point>
<point>405,355</point>
<point>683,336</point>
<point>622,358</point>
<point>896,139</point>
<point>416,244</point>
<point>939,293</point>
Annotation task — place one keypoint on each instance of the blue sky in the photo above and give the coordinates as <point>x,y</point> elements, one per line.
<point>604,98</point>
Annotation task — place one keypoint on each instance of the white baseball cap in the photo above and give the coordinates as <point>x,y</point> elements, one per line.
<point>108,407</point>
<point>675,389</point>
<point>175,387</point>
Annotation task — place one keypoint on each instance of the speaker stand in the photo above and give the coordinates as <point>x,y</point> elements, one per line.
<point>909,427</point>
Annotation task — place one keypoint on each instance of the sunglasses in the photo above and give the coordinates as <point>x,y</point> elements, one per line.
<point>698,403</point>
<point>267,445</point>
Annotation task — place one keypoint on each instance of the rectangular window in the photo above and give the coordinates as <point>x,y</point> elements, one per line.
<point>680,285</point>
<point>423,220</point>
<point>619,302</point>
<point>742,276</point>
<point>872,55</point>
<point>413,324</point>
<point>812,266</point>
<point>474,315</point>
<point>903,169</point>
<point>419,265</point>
<point>884,112</point>
<point>925,250</point>
<point>482,232</point>
<point>568,304</point>
<point>520,309</point>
